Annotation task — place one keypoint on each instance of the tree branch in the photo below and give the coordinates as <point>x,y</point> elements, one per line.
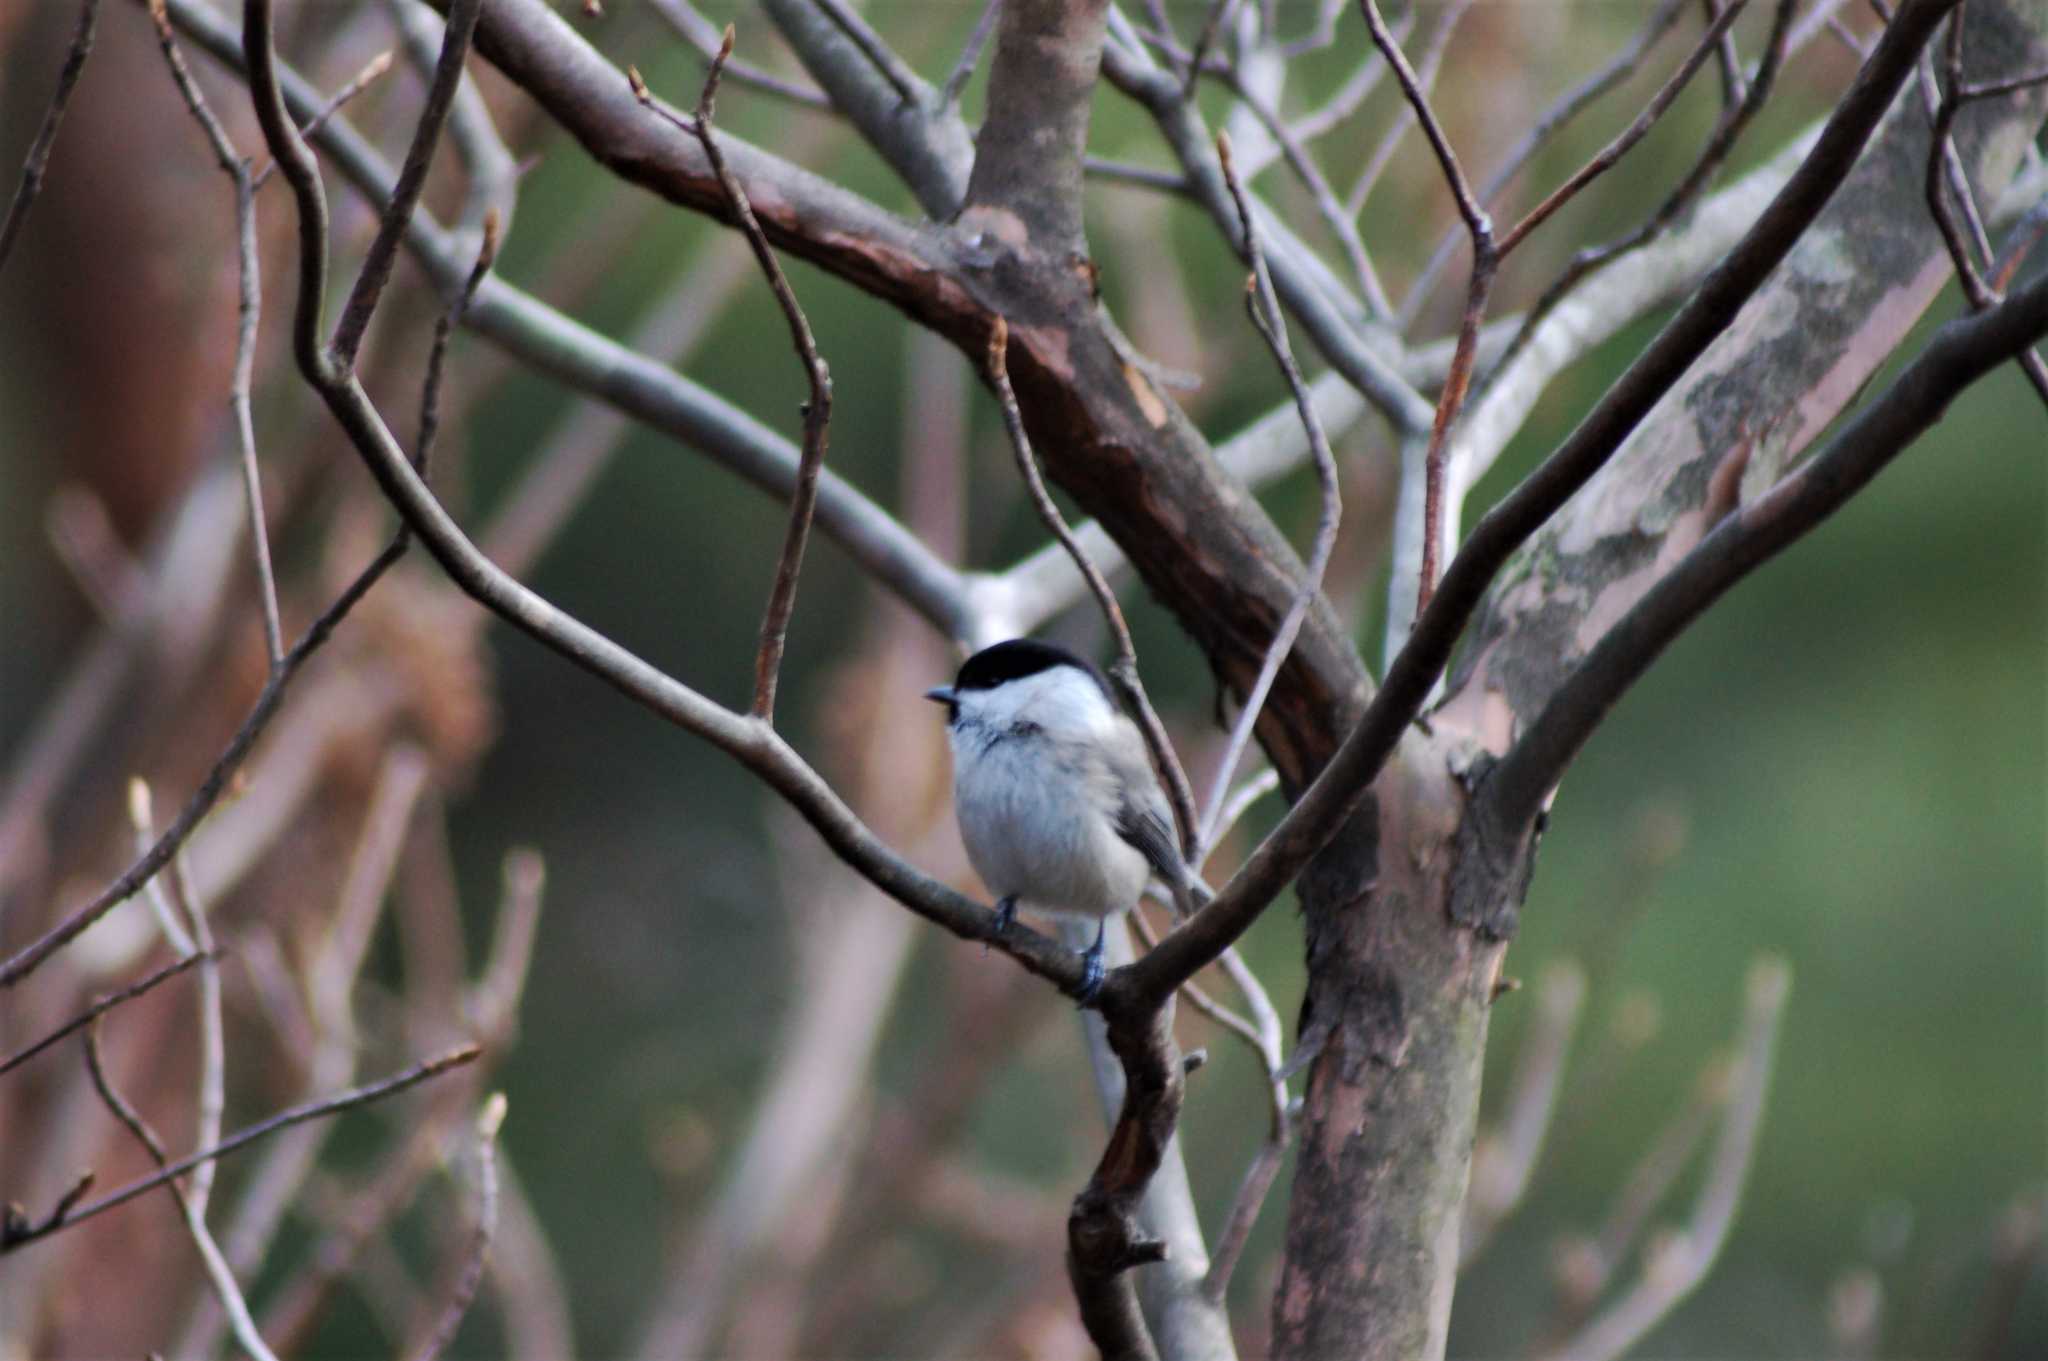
<point>1026,185</point>
<point>249,1134</point>
<point>37,163</point>
<point>817,412</point>
<point>1960,353</point>
<point>1343,782</point>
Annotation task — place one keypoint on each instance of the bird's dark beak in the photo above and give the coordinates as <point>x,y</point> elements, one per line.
<point>942,694</point>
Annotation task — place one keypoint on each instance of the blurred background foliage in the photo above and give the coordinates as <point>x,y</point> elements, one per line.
<point>1843,765</point>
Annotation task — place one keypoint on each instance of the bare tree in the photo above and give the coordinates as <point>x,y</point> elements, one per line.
<point>1418,779</point>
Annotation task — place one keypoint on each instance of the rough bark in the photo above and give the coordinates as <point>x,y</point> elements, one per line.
<point>1756,402</point>
<point>1106,432</point>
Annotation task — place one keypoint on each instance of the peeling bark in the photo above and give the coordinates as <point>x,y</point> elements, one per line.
<point>1793,360</point>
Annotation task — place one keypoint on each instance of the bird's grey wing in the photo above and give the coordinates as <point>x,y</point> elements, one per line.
<point>1142,815</point>
<point>1146,823</point>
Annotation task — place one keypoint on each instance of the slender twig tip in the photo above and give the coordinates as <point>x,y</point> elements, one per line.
<point>160,16</point>
<point>141,809</point>
<point>1770,978</point>
<point>373,68</point>
<point>725,45</point>
<point>487,253</point>
<point>1223,152</point>
<point>491,1116</point>
<point>639,85</point>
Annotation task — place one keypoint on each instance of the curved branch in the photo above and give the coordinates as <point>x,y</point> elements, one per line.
<point>1343,782</point>
<point>1960,353</point>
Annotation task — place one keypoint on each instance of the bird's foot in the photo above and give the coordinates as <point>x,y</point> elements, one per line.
<point>1091,967</point>
<point>1006,913</point>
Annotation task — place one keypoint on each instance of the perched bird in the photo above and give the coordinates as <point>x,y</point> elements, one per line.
<point>1055,794</point>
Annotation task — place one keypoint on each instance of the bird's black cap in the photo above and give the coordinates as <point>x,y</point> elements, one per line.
<point>1013,660</point>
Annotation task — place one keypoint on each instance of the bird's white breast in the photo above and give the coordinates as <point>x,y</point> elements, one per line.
<point>1036,800</point>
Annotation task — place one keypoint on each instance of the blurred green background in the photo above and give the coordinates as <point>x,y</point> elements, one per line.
<point>1841,766</point>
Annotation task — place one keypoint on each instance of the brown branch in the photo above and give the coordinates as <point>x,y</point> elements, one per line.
<point>478,1255</point>
<point>750,741</point>
<point>249,306</point>
<point>1637,129</point>
<point>37,163</point>
<point>1264,309</point>
<point>1124,671</point>
<point>100,1007</point>
<point>1344,779</point>
<point>1960,353</point>
<point>249,1134</point>
<point>412,181</point>
<point>1423,80</point>
<point>372,70</point>
<point>130,880</point>
<point>437,352</point>
<point>1944,164</point>
<point>191,1206</point>
<point>1566,107</point>
<point>1696,179</point>
<point>1485,261</point>
<point>817,412</point>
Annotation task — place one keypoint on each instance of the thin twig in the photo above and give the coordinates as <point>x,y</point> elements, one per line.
<point>478,1257</point>
<point>84,542</point>
<point>374,68</point>
<point>31,957</point>
<point>38,160</point>
<point>686,19</point>
<point>1219,11</point>
<point>1734,88</point>
<point>970,56</point>
<point>1681,198</point>
<point>1679,1264</point>
<point>437,352</point>
<point>1504,1159</point>
<point>1945,164</point>
<point>1124,672</point>
<point>1637,129</point>
<point>492,1003</point>
<point>1341,224</point>
<point>405,196</point>
<point>1258,1177</point>
<point>879,54</point>
<point>103,1005</point>
<point>249,1134</point>
<point>1485,261</point>
<point>1201,998</point>
<point>1355,90</point>
<point>249,292</point>
<point>190,1206</point>
<point>817,412</point>
<point>1264,309</point>
<point>1567,107</point>
<point>1421,80</point>
<point>1144,176</point>
<point>211,1101</point>
<point>1992,89</point>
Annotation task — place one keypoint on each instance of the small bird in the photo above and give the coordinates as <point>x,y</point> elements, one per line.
<point>1056,797</point>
